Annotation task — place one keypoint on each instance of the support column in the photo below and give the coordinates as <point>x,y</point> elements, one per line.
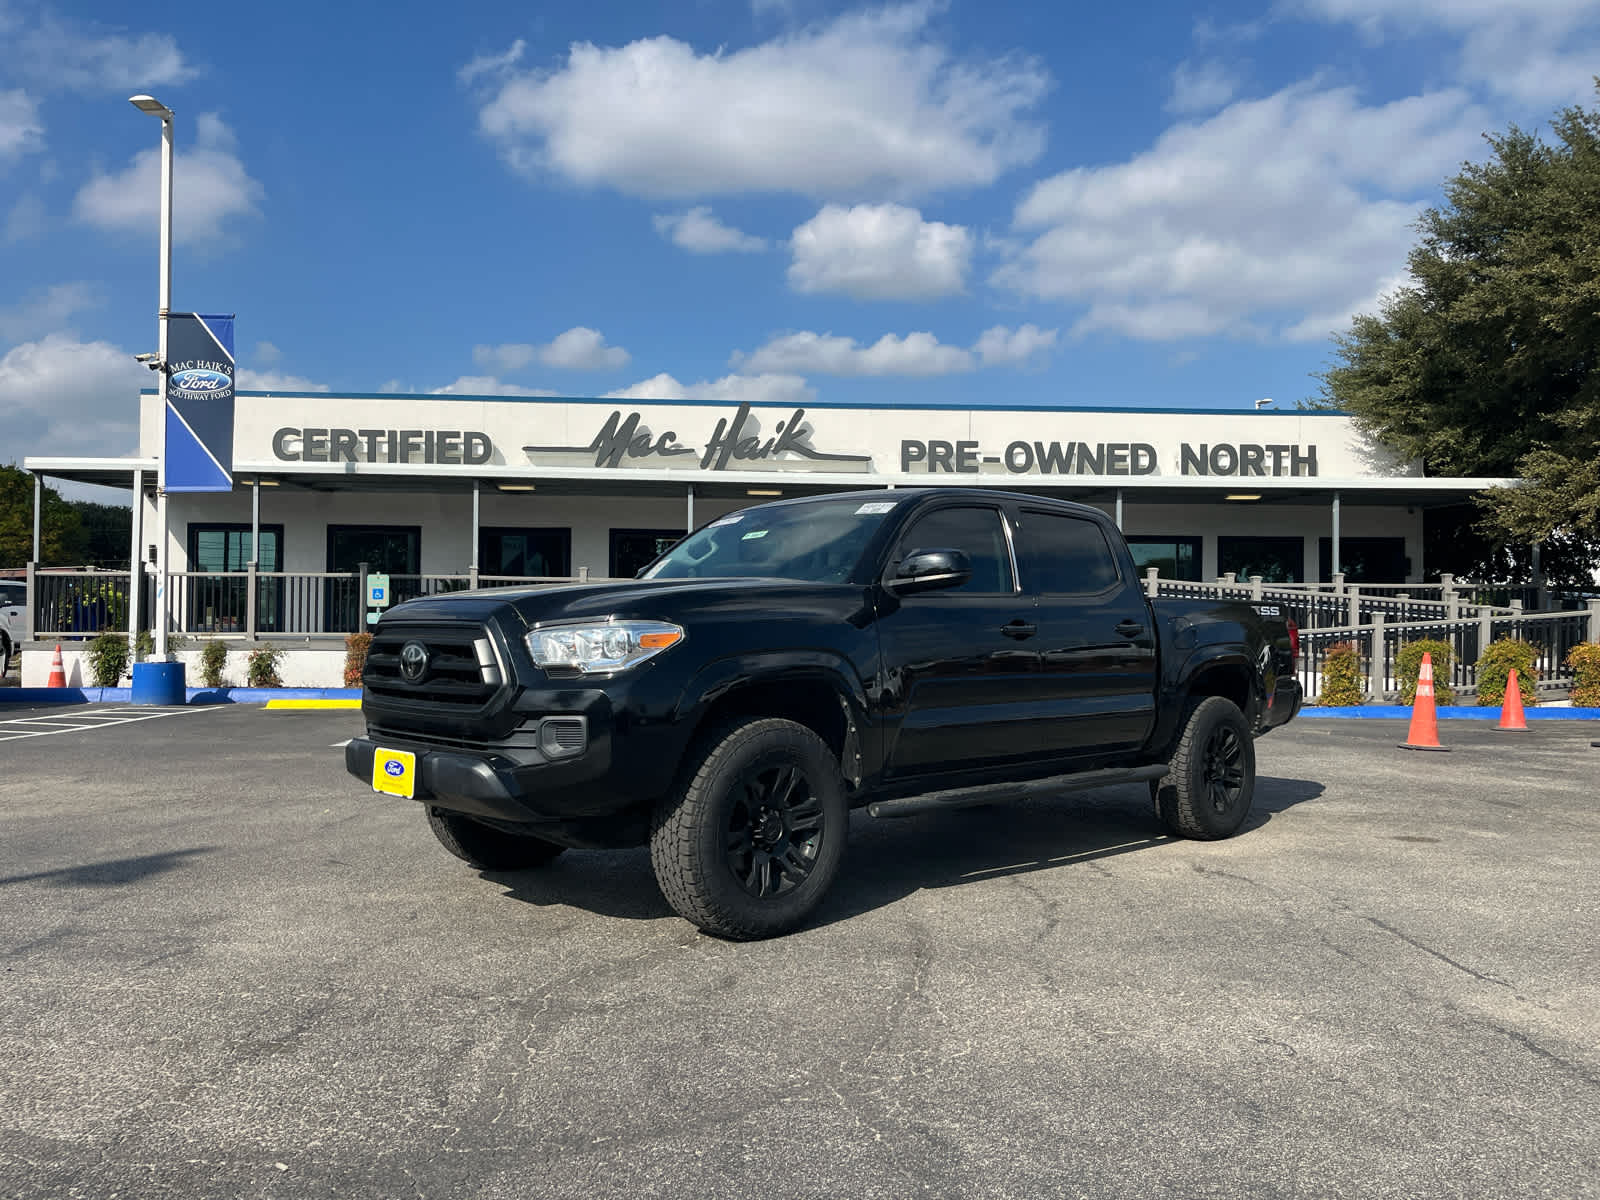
<point>38,508</point>
<point>1119,508</point>
<point>136,560</point>
<point>1334,563</point>
<point>252,614</point>
<point>689,516</point>
<point>472,563</point>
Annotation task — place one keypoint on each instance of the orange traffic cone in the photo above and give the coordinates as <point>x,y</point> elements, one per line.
<point>1512,718</point>
<point>1424,731</point>
<point>58,673</point>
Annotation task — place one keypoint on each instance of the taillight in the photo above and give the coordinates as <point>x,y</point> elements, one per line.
<point>1294,645</point>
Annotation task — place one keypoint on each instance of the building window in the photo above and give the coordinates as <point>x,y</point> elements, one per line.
<point>1365,559</point>
<point>634,549</point>
<point>1174,557</point>
<point>525,553</point>
<point>223,605</point>
<point>1275,559</point>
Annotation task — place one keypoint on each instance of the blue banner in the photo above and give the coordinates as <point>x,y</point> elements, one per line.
<point>199,434</point>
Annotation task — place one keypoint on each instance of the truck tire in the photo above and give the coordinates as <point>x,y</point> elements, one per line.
<point>5,656</point>
<point>752,838</point>
<point>485,847</point>
<point>1211,779</point>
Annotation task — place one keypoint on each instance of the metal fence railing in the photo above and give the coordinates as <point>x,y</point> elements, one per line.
<point>1552,635</point>
<point>79,604</point>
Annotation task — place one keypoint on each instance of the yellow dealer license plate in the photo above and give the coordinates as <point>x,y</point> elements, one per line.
<point>394,772</point>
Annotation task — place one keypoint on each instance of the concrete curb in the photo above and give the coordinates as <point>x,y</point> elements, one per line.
<point>122,695</point>
<point>1400,712</point>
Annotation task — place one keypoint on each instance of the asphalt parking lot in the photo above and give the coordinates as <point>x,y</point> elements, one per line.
<point>230,971</point>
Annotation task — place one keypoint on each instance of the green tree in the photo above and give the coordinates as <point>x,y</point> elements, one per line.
<point>62,538</point>
<point>108,533</point>
<point>1488,362</point>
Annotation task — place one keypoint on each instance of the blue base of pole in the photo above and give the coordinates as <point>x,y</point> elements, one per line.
<point>157,683</point>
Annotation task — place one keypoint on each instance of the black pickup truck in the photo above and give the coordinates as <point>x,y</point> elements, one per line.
<point>892,650</point>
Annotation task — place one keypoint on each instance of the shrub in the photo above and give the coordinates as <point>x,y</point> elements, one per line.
<point>213,661</point>
<point>1494,669</point>
<point>1408,665</point>
<point>108,659</point>
<point>1341,676</point>
<point>262,670</point>
<point>1584,660</point>
<point>144,644</point>
<point>355,658</point>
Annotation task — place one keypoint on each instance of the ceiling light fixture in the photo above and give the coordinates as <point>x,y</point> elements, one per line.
<point>1243,496</point>
<point>763,491</point>
<point>516,487</point>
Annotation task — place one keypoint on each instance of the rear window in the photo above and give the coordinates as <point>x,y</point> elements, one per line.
<point>1066,555</point>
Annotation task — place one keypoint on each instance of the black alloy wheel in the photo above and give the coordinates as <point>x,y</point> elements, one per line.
<point>775,829</point>
<point>1211,779</point>
<point>1224,768</point>
<point>751,839</point>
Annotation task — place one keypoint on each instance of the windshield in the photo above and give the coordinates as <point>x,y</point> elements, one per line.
<point>820,542</point>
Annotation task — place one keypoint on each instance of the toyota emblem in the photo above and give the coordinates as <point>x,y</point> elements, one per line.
<point>413,662</point>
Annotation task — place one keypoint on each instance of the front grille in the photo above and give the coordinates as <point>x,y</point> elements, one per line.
<point>458,665</point>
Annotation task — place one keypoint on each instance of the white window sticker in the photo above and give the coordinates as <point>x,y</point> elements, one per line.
<point>874,508</point>
<point>753,534</point>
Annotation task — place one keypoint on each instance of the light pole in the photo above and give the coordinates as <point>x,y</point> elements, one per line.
<point>149,104</point>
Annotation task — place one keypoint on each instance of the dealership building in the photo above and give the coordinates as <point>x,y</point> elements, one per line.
<point>494,486</point>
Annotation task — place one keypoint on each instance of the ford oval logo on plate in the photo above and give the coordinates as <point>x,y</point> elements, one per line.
<point>394,768</point>
<point>205,382</point>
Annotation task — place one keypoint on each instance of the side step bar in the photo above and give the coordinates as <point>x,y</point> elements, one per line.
<point>1055,785</point>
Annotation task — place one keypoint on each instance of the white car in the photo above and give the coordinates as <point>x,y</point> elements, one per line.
<point>13,620</point>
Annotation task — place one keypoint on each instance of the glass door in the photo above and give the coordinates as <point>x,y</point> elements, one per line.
<point>392,550</point>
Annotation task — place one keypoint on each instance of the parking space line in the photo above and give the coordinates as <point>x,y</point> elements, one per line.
<point>18,728</point>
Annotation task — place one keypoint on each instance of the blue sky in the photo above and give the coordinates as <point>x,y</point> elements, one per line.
<point>1039,203</point>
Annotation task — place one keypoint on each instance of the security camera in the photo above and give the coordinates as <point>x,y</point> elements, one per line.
<point>143,357</point>
<point>153,361</point>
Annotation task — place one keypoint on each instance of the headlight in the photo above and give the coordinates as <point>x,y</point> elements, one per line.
<point>600,648</point>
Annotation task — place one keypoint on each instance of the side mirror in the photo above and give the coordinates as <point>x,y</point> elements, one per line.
<point>931,570</point>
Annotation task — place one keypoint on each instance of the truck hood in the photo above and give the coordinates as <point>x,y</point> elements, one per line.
<point>662,599</point>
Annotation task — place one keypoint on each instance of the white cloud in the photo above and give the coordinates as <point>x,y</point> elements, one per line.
<point>87,57</point>
<point>64,396</point>
<point>210,187</point>
<point>915,354</point>
<point>879,252</point>
<point>578,349</point>
<point>248,380</point>
<point>492,64</point>
<point>730,389</point>
<point>481,385</point>
<point>47,310</point>
<point>867,103</point>
<point>1534,51</point>
<point>21,131</point>
<point>700,232</point>
<point>1201,87</point>
<point>1002,347</point>
<point>583,349</point>
<point>1245,223</point>
<point>267,354</point>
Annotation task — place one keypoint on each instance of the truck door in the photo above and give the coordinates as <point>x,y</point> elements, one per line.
<point>1097,648</point>
<point>958,664</point>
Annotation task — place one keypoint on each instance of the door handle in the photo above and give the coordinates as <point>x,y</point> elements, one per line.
<point>1130,629</point>
<point>1019,629</point>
